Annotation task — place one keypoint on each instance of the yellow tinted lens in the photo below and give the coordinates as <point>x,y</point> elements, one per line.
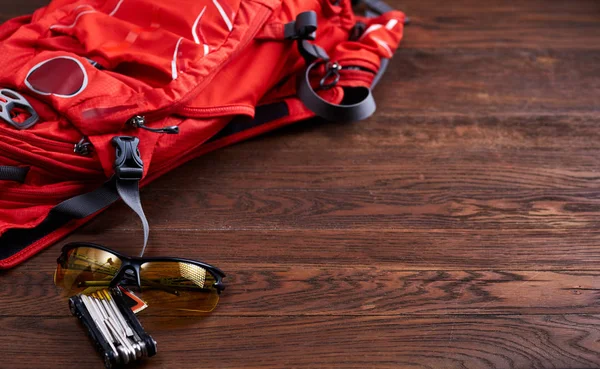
<point>180,286</point>
<point>86,270</point>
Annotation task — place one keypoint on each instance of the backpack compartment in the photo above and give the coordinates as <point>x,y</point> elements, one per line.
<point>99,67</point>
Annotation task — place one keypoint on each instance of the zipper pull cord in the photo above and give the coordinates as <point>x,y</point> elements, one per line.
<point>332,77</point>
<point>139,121</point>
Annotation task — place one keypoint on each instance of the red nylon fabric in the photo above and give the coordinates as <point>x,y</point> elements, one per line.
<point>194,64</point>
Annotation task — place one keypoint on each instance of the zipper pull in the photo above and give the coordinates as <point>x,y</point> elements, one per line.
<point>139,121</point>
<point>83,147</point>
<point>332,77</point>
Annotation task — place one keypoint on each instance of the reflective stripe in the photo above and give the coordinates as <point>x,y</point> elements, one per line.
<point>391,24</point>
<point>74,22</point>
<point>83,6</point>
<point>384,45</point>
<point>372,28</point>
<point>116,8</point>
<point>225,17</point>
<point>194,31</point>
<point>174,61</point>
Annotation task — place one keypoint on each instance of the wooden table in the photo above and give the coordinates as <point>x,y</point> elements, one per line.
<point>457,228</point>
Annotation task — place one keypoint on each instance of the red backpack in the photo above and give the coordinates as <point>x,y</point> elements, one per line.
<point>100,97</point>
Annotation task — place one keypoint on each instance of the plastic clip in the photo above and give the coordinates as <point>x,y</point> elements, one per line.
<point>304,29</point>
<point>128,162</point>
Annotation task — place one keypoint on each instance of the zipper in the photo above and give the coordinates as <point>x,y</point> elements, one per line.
<point>221,110</point>
<point>83,147</point>
<point>37,141</point>
<point>15,154</point>
<point>17,157</point>
<point>332,73</point>
<point>262,17</point>
<point>358,65</point>
<point>358,68</point>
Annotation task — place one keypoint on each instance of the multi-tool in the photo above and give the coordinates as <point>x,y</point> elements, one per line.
<point>116,331</point>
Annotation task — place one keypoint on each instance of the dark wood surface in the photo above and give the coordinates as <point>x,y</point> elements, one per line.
<point>457,228</point>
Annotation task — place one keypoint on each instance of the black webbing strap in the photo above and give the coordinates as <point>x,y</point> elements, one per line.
<point>84,205</point>
<point>358,102</point>
<point>123,185</point>
<point>17,174</point>
<point>78,207</point>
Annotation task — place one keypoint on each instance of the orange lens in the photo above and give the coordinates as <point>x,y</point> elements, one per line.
<point>178,286</point>
<point>86,270</point>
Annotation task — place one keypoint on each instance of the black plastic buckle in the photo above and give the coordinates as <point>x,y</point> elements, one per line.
<point>128,162</point>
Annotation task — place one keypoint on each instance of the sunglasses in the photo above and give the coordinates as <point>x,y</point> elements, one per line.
<point>163,283</point>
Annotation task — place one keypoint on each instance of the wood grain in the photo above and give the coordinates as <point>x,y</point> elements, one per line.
<point>361,291</point>
<point>499,82</point>
<point>526,250</point>
<point>536,24</point>
<point>457,228</point>
<point>546,341</point>
<point>364,209</point>
<point>420,153</point>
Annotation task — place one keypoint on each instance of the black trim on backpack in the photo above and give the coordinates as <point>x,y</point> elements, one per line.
<point>263,114</point>
<point>11,173</point>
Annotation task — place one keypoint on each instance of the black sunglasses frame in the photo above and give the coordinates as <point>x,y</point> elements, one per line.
<point>135,263</point>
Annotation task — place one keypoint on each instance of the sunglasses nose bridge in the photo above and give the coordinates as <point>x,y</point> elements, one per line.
<point>129,272</point>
